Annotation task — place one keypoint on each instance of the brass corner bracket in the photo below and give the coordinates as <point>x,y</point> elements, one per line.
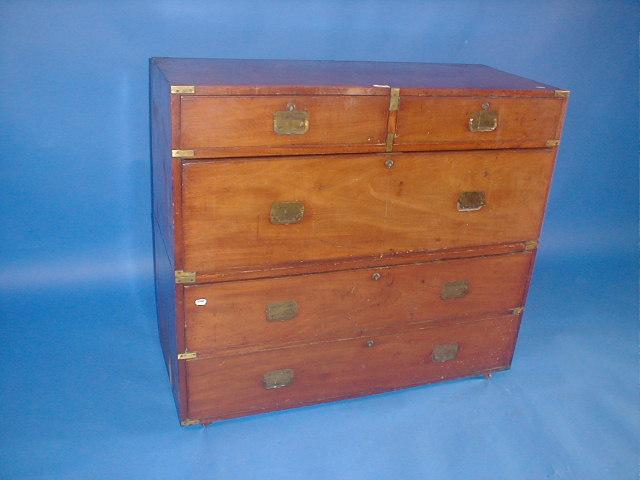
<point>190,422</point>
<point>183,89</point>
<point>185,277</point>
<point>552,143</point>
<point>182,153</point>
<point>187,356</point>
<point>530,245</point>
<point>562,93</point>
<point>517,310</point>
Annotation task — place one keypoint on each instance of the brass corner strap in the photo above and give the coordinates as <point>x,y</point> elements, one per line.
<point>182,153</point>
<point>562,93</point>
<point>530,245</point>
<point>183,89</point>
<point>187,356</point>
<point>517,310</point>
<point>189,422</point>
<point>552,143</point>
<point>185,277</point>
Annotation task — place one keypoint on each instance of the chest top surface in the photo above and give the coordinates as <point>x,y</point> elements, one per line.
<point>357,77</point>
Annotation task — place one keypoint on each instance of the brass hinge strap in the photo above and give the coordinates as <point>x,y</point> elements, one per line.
<point>390,138</point>
<point>185,277</point>
<point>394,99</point>
<point>562,93</point>
<point>187,356</point>
<point>183,89</point>
<point>182,153</point>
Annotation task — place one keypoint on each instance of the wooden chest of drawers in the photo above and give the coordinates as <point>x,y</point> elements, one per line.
<point>325,230</point>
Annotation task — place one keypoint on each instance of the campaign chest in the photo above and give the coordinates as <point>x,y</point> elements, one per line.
<point>326,230</point>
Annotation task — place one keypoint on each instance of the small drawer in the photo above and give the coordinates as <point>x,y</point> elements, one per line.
<point>224,387</point>
<point>214,126</point>
<point>268,313</point>
<point>264,213</point>
<point>446,123</point>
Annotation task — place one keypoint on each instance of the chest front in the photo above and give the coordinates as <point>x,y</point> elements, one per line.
<point>325,230</point>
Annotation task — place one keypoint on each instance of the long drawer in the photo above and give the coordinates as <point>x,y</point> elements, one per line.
<point>263,213</point>
<point>258,314</point>
<point>224,387</point>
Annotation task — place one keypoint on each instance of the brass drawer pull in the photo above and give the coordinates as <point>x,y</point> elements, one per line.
<point>278,378</point>
<point>457,289</point>
<point>445,352</point>
<point>286,213</point>
<point>291,121</point>
<point>471,201</point>
<point>484,120</point>
<point>282,311</point>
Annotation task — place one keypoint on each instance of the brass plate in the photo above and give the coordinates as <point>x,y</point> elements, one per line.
<point>278,378</point>
<point>282,311</point>
<point>291,122</point>
<point>286,213</point>
<point>183,89</point>
<point>457,289</point>
<point>445,352</point>
<point>394,100</point>
<point>185,277</point>
<point>471,201</point>
<point>484,120</point>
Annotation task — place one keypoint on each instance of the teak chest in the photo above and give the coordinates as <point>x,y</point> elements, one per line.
<point>326,230</point>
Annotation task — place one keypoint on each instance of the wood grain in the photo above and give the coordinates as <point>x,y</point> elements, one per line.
<point>355,206</point>
<point>231,386</point>
<point>427,123</point>
<point>348,304</point>
<point>236,122</point>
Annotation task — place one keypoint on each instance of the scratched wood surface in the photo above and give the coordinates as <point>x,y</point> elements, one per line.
<point>224,387</point>
<point>356,206</point>
<point>348,304</point>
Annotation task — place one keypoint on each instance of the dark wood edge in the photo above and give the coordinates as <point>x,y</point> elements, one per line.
<point>360,90</point>
<point>318,402</point>
<point>379,261</point>
<point>183,387</point>
<point>294,150</point>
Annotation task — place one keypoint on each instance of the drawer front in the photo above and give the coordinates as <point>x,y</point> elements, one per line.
<point>271,313</point>
<point>224,387</point>
<point>458,123</point>
<point>255,123</point>
<point>259,213</point>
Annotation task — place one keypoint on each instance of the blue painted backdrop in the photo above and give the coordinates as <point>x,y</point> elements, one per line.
<point>83,391</point>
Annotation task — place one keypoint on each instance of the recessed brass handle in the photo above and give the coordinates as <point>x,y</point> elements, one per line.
<point>291,121</point>
<point>457,289</point>
<point>484,120</point>
<point>445,352</point>
<point>282,311</point>
<point>278,379</point>
<point>286,213</point>
<point>471,201</point>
